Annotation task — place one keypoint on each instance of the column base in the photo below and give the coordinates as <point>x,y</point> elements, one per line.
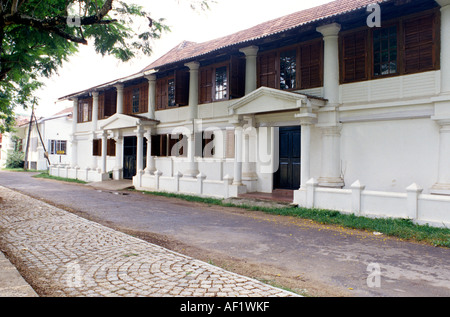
<point>117,173</point>
<point>333,182</point>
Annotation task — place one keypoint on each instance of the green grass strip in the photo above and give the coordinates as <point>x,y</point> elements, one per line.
<point>46,175</point>
<point>404,229</point>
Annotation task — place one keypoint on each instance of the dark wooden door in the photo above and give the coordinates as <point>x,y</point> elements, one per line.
<point>288,173</point>
<point>130,156</point>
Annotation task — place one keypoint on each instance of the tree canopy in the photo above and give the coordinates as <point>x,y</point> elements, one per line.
<point>37,36</point>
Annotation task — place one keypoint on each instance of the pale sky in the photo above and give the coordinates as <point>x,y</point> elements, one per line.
<point>87,69</point>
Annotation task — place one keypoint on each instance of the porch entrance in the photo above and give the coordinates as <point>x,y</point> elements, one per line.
<point>130,156</point>
<point>288,173</point>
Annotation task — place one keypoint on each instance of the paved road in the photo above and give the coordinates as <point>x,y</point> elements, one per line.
<point>324,259</point>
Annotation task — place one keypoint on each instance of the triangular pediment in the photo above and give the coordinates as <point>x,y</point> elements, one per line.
<point>123,121</point>
<point>266,100</point>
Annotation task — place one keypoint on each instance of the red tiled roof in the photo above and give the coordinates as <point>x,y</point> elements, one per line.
<point>187,50</point>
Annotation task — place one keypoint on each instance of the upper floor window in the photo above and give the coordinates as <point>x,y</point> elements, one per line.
<point>85,110</point>
<point>288,69</point>
<point>135,101</point>
<point>173,90</point>
<point>385,51</point>
<point>221,83</point>
<point>408,45</point>
<point>300,67</point>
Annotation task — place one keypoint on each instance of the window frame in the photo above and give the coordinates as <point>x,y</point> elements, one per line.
<point>399,22</point>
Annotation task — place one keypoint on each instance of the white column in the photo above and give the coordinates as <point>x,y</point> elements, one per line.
<point>331,158</point>
<point>305,148</point>
<point>94,162</point>
<point>74,145</point>
<point>445,45</point>
<point>192,170</point>
<point>119,107</point>
<point>117,171</point>
<point>151,95</point>
<point>139,150</point>
<point>251,53</point>
<point>443,184</point>
<point>94,111</point>
<point>329,120</point>
<point>151,168</point>
<point>104,136</point>
<point>193,89</point>
<point>238,155</point>
<point>331,62</point>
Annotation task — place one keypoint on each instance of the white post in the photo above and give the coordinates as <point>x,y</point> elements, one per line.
<point>151,95</point>
<point>331,164</point>
<point>139,150</point>
<point>238,156</point>
<point>150,169</point>
<point>117,171</point>
<point>104,151</point>
<point>413,191</point>
<point>94,111</point>
<point>193,89</point>
<point>331,62</point>
<point>74,146</point>
<point>119,89</point>
<point>357,189</point>
<point>251,53</point>
<point>94,162</point>
<point>192,171</point>
<point>445,45</point>
<point>305,148</point>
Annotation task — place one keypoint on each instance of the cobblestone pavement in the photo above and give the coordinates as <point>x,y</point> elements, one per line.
<point>78,257</point>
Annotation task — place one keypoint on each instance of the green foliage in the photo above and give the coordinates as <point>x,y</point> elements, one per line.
<point>15,159</point>
<point>37,36</point>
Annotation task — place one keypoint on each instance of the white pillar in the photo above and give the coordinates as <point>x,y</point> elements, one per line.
<point>192,170</point>
<point>251,53</point>
<point>445,45</point>
<point>305,148</point>
<point>151,95</point>
<point>104,136</point>
<point>117,171</point>
<point>74,145</point>
<point>443,183</point>
<point>119,107</point>
<point>94,111</point>
<point>238,155</point>
<point>331,62</point>
<point>139,150</point>
<point>329,121</point>
<point>151,168</point>
<point>94,163</point>
<point>193,89</point>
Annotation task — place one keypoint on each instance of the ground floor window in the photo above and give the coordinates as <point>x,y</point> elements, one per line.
<point>58,147</point>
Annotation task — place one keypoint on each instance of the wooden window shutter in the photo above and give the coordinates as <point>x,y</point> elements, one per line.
<point>161,94</point>
<point>419,44</point>
<point>311,65</point>
<point>182,87</point>
<point>80,112</point>
<point>354,56</point>
<point>206,85</point>
<point>101,105</point>
<point>111,147</point>
<point>143,97</point>
<point>97,147</point>
<point>267,64</point>
<point>237,77</point>
<point>127,100</point>
<point>110,104</point>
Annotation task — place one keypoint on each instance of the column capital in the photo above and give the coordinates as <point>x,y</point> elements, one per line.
<point>250,50</point>
<point>329,29</point>
<point>95,94</point>
<point>443,3</point>
<point>193,65</point>
<point>119,86</point>
<point>150,77</point>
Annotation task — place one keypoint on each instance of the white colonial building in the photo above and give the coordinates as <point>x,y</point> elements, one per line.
<point>346,115</point>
